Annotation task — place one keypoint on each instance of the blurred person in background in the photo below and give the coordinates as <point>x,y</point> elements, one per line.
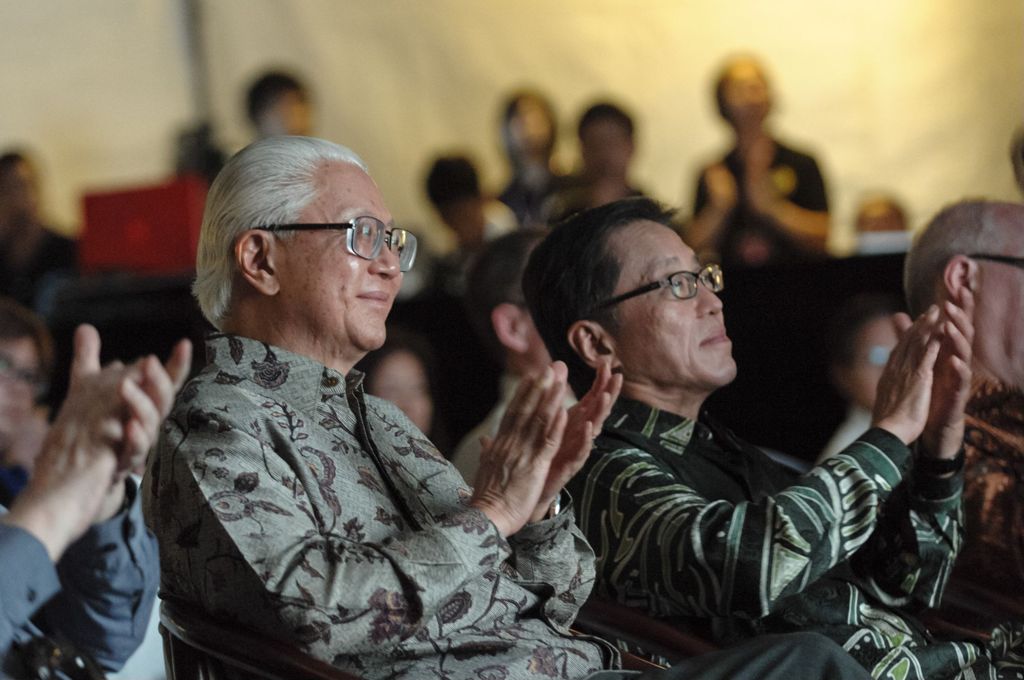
<point>859,340</point>
<point>529,131</point>
<point>764,202</point>
<point>881,226</point>
<point>32,257</point>
<point>278,103</point>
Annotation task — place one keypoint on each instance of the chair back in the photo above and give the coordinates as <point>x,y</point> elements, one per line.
<point>199,647</point>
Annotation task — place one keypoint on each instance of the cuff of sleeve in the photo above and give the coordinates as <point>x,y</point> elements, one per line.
<point>933,494</point>
<point>471,524</point>
<point>891,459</point>
<point>30,578</point>
<point>122,529</point>
<point>545,532</point>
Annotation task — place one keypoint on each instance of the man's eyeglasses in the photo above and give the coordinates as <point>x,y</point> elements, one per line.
<point>1005,259</point>
<point>366,237</point>
<point>11,371</point>
<point>682,284</point>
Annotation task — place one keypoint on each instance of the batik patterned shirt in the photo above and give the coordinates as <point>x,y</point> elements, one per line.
<point>288,501</point>
<point>691,523</point>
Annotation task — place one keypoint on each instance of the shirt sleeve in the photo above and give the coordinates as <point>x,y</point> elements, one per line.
<point>334,590</point>
<point>29,580</point>
<point>659,540</point>
<point>108,581</point>
<point>553,555</point>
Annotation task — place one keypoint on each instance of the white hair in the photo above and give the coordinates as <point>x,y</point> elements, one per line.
<point>271,181</point>
<point>964,228</point>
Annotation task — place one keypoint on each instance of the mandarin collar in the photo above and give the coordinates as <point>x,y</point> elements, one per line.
<point>297,379</point>
<point>669,431</point>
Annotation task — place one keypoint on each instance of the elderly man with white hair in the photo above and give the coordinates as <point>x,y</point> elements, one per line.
<point>979,246</point>
<point>285,498</point>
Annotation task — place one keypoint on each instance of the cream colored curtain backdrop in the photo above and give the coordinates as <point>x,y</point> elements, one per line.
<point>914,96</point>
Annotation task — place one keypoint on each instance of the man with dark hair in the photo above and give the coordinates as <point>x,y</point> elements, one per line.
<point>453,188</point>
<point>278,103</point>
<point>764,203</point>
<point>688,521</point>
<point>529,131</point>
<point>979,246</point>
<point>606,150</point>
<point>497,312</point>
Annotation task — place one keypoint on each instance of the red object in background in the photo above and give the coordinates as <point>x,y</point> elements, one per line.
<point>145,230</point>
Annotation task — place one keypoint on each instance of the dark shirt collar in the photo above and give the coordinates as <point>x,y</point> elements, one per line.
<point>631,420</point>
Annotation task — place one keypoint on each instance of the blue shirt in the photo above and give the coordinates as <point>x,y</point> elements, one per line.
<point>99,595</point>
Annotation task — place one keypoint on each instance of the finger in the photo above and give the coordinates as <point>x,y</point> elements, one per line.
<point>550,407</point>
<point>141,408</point>
<point>158,386</point>
<point>110,430</point>
<point>179,363</point>
<point>524,402</point>
<point>86,357</point>
<point>136,447</point>
<point>554,432</point>
<point>903,322</point>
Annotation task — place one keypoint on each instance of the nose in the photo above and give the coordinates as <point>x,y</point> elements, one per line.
<point>386,263</point>
<point>708,301</point>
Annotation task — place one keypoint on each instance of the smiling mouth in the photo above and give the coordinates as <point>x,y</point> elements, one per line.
<point>715,339</point>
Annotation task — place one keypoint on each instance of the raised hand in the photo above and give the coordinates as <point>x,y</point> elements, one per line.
<point>944,431</point>
<point>584,424</point>
<point>905,388</point>
<point>515,463</point>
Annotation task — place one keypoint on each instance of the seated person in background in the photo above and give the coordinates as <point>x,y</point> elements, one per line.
<point>31,255</point>
<point>859,340</point>
<point>764,203</point>
<point>607,145</point>
<point>497,312</point>
<point>78,563</point>
<point>453,188</point>
<point>528,134</point>
<point>881,225</point>
<point>286,499</point>
<point>278,103</point>
<point>979,246</point>
<point>687,520</point>
<point>404,372</point>
<point>26,361</point>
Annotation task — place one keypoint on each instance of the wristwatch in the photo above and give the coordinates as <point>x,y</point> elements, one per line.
<point>556,506</point>
<point>941,466</point>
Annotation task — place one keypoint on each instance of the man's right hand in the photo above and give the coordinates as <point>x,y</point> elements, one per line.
<point>515,464</point>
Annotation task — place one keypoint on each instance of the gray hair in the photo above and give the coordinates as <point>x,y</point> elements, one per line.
<point>268,182</point>
<point>970,226</point>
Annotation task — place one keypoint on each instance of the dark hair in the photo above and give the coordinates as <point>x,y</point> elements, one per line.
<point>841,333</point>
<point>511,110</point>
<point>451,178</point>
<point>496,278</point>
<point>17,322</point>
<point>572,271</point>
<point>10,159</point>
<point>605,111</point>
<point>267,89</point>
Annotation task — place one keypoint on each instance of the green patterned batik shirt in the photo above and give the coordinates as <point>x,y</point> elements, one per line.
<point>691,523</point>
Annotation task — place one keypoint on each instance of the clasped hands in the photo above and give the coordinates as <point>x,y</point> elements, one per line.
<point>926,383</point>
<point>102,433</point>
<point>539,446</point>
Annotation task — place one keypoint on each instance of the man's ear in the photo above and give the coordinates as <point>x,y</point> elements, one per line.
<point>593,343</point>
<point>255,254</point>
<point>508,323</point>
<point>959,273</point>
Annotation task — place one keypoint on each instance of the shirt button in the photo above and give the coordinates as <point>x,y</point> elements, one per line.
<point>329,381</point>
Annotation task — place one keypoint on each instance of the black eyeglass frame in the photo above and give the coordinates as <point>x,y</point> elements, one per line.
<point>384,235</point>
<point>697,277</point>
<point>1004,259</point>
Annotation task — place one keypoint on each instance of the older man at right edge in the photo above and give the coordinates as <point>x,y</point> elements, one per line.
<point>979,246</point>
<point>689,521</point>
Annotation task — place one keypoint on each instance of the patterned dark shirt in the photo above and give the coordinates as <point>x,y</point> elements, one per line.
<point>287,500</point>
<point>994,489</point>
<point>691,523</point>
